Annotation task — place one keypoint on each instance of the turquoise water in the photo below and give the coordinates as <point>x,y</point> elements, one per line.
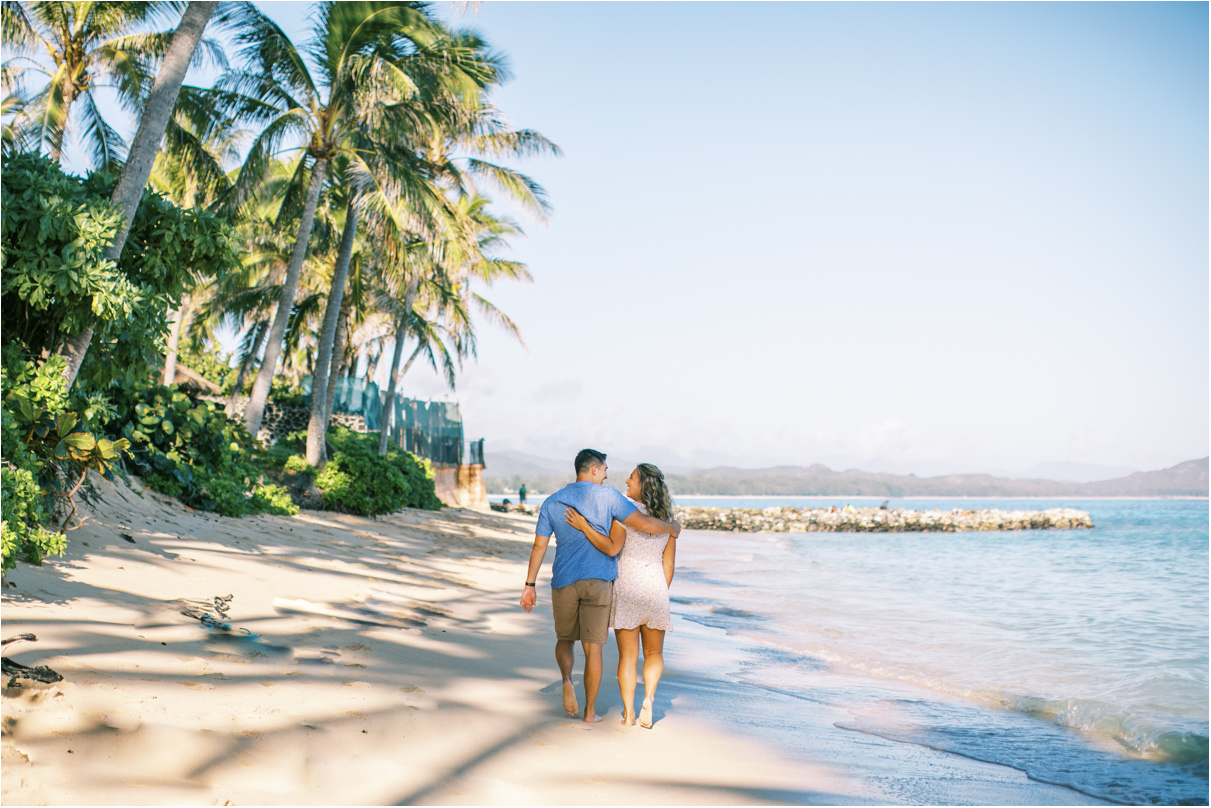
<point>1079,657</point>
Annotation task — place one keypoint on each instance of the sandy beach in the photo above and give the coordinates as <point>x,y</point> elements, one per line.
<point>369,662</point>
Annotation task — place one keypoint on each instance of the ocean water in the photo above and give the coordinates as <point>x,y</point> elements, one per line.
<point>1079,657</point>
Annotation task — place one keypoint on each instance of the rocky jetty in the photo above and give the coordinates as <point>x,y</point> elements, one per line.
<point>876,520</point>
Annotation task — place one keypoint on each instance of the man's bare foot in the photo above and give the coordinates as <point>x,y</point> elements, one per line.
<point>645,715</point>
<point>591,717</point>
<point>570,706</point>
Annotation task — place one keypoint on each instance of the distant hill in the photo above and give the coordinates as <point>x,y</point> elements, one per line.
<point>1187,479</point>
<point>1184,479</point>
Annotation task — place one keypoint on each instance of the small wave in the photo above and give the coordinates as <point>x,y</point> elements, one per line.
<point>728,611</point>
<point>1139,736</point>
<point>1158,738</point>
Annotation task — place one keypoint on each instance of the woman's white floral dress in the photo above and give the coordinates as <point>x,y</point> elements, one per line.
<point>641,596</point>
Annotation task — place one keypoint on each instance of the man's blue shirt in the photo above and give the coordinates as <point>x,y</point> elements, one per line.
<point>576,559</point>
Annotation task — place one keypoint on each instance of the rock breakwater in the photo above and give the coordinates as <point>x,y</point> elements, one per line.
<point>876,520</point>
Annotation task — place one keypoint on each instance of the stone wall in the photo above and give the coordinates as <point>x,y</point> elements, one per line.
<point>280,420</point>
<point>876,520</point>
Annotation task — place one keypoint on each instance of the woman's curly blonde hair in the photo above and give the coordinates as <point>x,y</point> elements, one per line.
<point>654,492</point>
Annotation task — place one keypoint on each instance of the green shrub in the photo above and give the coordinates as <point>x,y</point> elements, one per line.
<point>357,480</point>
<point>47,447</point>
<point>193,451</point>
<point>21,532</point>
<point>298,463</point>
<point>285,393</point>
<point>57,281</point>
<point>270,498</point>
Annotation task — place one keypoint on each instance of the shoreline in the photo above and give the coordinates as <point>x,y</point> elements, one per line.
<point>370,661</point>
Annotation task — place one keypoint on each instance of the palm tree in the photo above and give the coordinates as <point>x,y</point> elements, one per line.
<point>320,103</point>
<point>433,297</point>
<point>425,292</point>
<point>133,179</point>
<point>81,46</point>
<point>469,233</point>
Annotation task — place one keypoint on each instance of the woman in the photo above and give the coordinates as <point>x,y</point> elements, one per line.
<point>640,610</point>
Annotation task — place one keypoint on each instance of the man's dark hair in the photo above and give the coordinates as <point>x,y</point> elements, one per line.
<point>587,458</point>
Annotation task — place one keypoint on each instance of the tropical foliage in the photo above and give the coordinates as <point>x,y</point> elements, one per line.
<point>358,480</point>
<point>328,200</point>
<point>58,281</point>
<point>49,443</point>
<point>190,450</point>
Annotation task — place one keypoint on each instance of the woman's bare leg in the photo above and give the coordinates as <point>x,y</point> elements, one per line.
<point>628,658</point>
<point>653,668</point>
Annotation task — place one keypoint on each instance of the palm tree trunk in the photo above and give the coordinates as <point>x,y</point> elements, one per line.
<point>179,321</point>
<point>373,355</point>
<point>339,374</point>
<point>277,333</point>
<point>318,424</point>
<point>342,326</point>
<point>397,375</point>
<point>245,369</point>
<point>133,179</point>
<point>384,419</point>
<point>393,382</point>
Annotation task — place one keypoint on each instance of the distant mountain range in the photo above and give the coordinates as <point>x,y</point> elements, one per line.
<point>506,471</point>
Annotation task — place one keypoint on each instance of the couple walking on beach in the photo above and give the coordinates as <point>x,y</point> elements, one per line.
<point>613,565</point>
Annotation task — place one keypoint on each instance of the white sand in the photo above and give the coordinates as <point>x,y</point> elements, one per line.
<point>445,692</point>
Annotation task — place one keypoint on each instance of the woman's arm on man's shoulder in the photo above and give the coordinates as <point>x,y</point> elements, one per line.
<point>650,524</point>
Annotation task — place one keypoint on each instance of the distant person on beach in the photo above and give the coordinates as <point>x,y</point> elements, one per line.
<point>521,495</point>
<point>582,577</point>
<point>641,591</point>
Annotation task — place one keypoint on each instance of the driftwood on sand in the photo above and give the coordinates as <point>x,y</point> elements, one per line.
<point>15,670</point>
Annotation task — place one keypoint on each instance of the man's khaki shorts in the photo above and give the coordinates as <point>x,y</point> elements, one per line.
<point>582,610</point>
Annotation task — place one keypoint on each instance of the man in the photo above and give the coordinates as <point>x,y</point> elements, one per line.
<point>582,577</point>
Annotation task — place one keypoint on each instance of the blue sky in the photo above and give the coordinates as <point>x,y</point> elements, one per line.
<point>902,237</point>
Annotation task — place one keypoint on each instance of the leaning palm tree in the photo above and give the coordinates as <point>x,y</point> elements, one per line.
<point>133,179</point>
<point>245,299</point>
<point>313,95</point>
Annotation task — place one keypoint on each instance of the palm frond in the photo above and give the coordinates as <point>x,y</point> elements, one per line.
<point>518,186</point>
<point>108,148</point>
<point>15,25</point>
<point>266,50</point>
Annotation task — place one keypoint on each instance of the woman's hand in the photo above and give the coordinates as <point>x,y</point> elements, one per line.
<point>610,545</point>
<point>573,518</point>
